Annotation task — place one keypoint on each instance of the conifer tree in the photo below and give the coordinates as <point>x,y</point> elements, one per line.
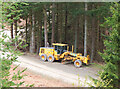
<point>111,53</point>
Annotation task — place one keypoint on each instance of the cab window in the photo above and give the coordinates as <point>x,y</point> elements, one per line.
<point>62,47</point>
<point>59,47</point>
<point>42,50</point>
<point>55,47</point>
<point>65,47</point>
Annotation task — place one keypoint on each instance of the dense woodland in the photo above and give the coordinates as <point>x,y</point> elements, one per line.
<point>93,28</point>
<point>77,24</point>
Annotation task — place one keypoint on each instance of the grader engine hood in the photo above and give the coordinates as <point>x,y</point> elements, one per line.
<point>75,54</point>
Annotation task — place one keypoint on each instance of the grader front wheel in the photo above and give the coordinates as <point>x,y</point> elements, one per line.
<point>43,57</point>
<point>77,63</point>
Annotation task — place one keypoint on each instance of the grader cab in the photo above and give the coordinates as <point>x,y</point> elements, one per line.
<point>61,52</point>
<point>60,48</point>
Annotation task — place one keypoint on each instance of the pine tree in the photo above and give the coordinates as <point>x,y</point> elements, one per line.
<point>111,53</point>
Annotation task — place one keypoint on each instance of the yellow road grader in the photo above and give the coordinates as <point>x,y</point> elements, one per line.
<point>61,52</point>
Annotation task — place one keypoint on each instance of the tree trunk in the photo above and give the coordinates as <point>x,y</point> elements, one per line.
<point>40,28</point>
<point>85,35</point>
<point>45,26</point>
<point>26,30</point>
<point>32,41</point>
<point>30,28</point>
<point>66,13</point>
<point>15,31</point>
<point>60,19</point>
<point>93,36</point>
<point>12,30</point>
<point>37,37</point>
<point>98,27</point>
<point>59,23</point>
<point>53,22</point>
<point>76,30</point>
<point>39,33</point>
<point>49,18</point>
<point>15,27</point>
<point>97,48</point>
<point>36,31</point>
<point>56,31</point>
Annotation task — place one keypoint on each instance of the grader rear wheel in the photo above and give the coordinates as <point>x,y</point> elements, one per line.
<point>78,63</point>
<point>50,58</point>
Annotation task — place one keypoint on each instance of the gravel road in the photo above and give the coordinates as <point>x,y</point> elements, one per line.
<point>66,73</point>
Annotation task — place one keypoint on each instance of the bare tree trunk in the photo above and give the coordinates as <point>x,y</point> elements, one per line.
<point>39,33</point>
<point>15,27</point>
<point>26,33</point>
<point>15,31</point>
<point>93,36</point>
<point>56,31</point>
<point>97,43</point>
<point>60,30</point>
<point>37,36</point>
<point>98,27</point>
<point>49,18</point>
<point>36,31</point>
<point>76,30</point>
<point>40,28</point>
<point>30,28</point>
<point>12,30</point>
<point>66,13</point>
<point>53,23</point>
<point>59,23</point>
<point>32,41</point>
<point>85,36</point>
<point>26,30</point>
<point>45,26</point>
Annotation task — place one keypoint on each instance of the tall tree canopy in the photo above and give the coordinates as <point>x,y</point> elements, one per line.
<point>76,24</point>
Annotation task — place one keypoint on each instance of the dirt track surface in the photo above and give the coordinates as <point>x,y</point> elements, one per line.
<point>66,73</point>
<point>38,80</point>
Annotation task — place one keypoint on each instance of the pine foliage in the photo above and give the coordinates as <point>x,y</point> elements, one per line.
<point>111,53</point>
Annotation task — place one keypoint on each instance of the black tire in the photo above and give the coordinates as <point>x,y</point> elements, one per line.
<point>50,58</point>
<point>43,57</point>
<point>77,63</point>
<point>88,63</point>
